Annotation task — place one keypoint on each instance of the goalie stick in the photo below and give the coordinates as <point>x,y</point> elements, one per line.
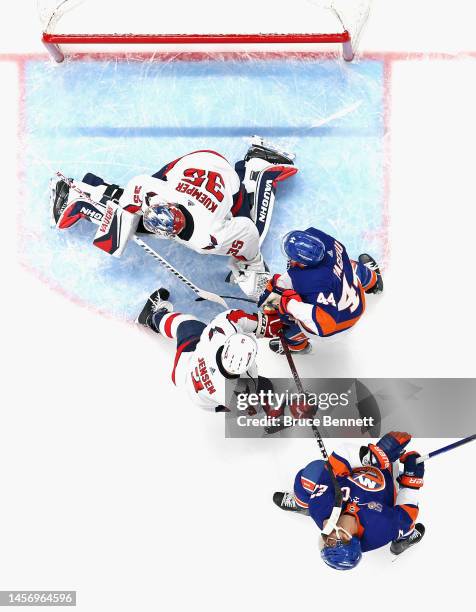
<point>338,496</point>
<point>204,295</point>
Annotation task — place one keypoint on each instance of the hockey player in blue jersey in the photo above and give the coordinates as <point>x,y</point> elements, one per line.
<point>323,291</point>
<point>377,510</point>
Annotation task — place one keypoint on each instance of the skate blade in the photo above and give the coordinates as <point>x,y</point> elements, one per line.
<point>258,141</point>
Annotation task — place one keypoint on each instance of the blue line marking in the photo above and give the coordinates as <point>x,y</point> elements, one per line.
<point>218,132</point>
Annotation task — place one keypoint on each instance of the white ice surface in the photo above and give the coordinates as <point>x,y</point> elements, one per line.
<point>133,498</point>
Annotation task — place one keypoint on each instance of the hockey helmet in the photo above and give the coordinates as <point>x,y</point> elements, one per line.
<point>239,353</point>
<point>344,555</point>
<point>303,248</point>
<point>164,219</point>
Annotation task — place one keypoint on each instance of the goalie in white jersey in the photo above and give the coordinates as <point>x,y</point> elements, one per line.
<point>212,361</point>
<point>200,201</point>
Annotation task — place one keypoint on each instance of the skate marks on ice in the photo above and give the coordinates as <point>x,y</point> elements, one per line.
<point>130,116</point>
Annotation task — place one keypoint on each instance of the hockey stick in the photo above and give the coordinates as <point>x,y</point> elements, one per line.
<point>338,496</point>
<point>230,297</point>
<point>203,295</point>
<point>445,449</point>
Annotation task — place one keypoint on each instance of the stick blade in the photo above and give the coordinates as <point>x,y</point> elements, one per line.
<point>212,297</point>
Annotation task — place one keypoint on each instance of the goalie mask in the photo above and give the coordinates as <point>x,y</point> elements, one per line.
<point>164,219</point>
<point>239,353</point>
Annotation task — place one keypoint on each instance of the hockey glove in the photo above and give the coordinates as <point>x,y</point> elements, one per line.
<point>393,444</point>
<point>413,472</point>
<point>373,455</point>
<point>271,293</point>
<point>269,325</point>
<point>288,295</point>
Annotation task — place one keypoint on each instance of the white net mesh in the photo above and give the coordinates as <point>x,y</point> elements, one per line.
<point>149,17</point>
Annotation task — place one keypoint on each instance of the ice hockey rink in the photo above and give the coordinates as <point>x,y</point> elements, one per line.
<point>114,485</point>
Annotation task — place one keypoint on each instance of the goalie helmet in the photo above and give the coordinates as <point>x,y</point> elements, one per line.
<point>164,219</point>
<point>303,248</point>
<point>239,353</point>
<point>344,555</point>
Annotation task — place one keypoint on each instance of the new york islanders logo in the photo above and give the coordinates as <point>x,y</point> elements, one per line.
<point>368,478</point>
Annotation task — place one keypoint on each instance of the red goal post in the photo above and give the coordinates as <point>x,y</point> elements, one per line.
<point>181,22</point>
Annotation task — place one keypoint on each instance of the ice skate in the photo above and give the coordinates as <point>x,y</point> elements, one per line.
<point>156,301</point>
<point>276,346</point>
<point>287,501</point>
<point>399,546</point>
<point>59,192</point>
<point>369,262</point>
<point>271,153</point>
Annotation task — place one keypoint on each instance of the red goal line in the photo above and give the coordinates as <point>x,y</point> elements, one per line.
<point>53,40</point>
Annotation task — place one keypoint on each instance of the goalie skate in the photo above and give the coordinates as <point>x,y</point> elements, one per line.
<point>399,546</point>
<point>271,153</point>
<point>59,192</point>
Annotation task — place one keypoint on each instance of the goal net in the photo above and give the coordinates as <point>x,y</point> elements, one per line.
<point>208,22</point>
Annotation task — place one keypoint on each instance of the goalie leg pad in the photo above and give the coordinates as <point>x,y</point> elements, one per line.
<point>116,229</point>
<point>68,207</point>
<point>265,194</point>
<point>76,210</point>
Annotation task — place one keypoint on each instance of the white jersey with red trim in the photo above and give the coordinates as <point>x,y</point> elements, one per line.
<point>206,186</point>
<point>201,372</point>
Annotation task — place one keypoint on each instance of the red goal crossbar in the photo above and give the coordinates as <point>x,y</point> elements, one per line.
<point>52,41</point>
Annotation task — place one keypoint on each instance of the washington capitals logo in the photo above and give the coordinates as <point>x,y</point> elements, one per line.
<point>215,330</point>
<point>212,245</point>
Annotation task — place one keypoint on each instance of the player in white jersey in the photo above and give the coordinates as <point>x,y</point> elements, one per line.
<point>212,361</point>
<point>200,201</point>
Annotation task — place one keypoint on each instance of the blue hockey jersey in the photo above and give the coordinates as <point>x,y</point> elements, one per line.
<point>332,293</point>
<point>370,495</point>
